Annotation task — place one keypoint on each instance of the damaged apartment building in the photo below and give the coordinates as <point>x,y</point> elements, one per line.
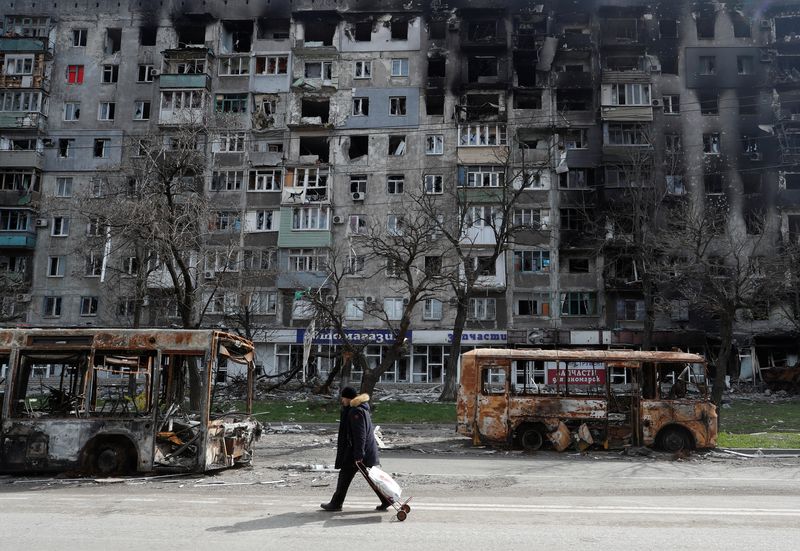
<point>335,109</point>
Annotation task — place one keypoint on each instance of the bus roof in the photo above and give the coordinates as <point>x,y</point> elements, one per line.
<point>587,355</point>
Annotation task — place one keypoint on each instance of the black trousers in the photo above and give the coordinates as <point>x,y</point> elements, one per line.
<point>346,475</point>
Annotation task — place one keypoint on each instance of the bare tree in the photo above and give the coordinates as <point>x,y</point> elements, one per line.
<point>392,253</point>
<point>710,262</point>
<point>477,220</point>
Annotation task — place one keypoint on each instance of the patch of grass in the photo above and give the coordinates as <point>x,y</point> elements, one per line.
<point>275,411</point>
<point>744,417</point>
<point>759,440</point>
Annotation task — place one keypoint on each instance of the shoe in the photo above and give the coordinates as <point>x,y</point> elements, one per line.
<point>382,507</point>
<point>330,507</point>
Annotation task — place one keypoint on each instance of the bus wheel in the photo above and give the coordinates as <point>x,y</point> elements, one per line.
<point>531,439</point>
<point>673,440</point>
<point>112,458</point>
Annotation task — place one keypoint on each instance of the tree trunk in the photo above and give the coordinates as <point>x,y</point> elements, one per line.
<point>723,358</point>
<point>649,315</point>
<point>450,389</point>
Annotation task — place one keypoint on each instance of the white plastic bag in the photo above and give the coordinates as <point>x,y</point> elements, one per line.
<point>385,483</point>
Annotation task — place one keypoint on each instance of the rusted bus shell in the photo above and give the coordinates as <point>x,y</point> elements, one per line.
<point>74,438</point>
<point>632,357</point>
<point>698,417</point>
<point>496,418</point>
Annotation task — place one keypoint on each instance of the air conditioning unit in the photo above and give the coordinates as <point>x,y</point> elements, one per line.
<point>154,72</point>
<point>405,302</point>
<point>765,24</point>
<point>369,300</point>
<point>338,219</point>
<point>656,103</point>
<point>23,297</point>
<point>209,274</point>
<point>48,142</point>
<point>41,222</point>
<point>359,196</point>
<point>756,156</point>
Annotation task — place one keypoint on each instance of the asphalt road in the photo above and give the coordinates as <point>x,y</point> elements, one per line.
<point>476,502</point>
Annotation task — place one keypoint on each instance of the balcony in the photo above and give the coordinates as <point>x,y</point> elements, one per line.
<point>24,81</point>
<point>17,240</point>
<point>22,120</point>
<point>24,44</point>
<point>574,79</point>
<point>21,159</point>
<point>624,113</point>
<point>185,81</point>
<point>576,42</point>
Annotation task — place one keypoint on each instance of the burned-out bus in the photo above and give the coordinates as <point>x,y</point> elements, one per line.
<point>123,400</point>
<point>610,398</point>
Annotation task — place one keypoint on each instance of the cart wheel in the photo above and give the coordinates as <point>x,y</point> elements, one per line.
<point>401,515</point>
<point>406,508</point>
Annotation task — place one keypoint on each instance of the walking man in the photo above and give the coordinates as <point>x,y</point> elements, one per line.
<point>356,444</point>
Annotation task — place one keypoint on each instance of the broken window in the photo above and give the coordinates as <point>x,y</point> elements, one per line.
<point>272,65</point>
<point>437,30</point>
<point>705,26</point>
<point>319,33</point>
<point>399,29</point>
<point>525,69</point>
<point>482,31</point>
<point>528,100</point>
<point>713,184</point>
<point>482,69</point>
<point>100,148</point>
<point>707,65</point>
<point>191,35</point>
<point>711,143</point>
<point>50,384</point>
<point>434,104</point>
<point>315,108</point>
<point>358,183</point>
<point>318,69</point>
<point>574,100</point>
<point>754,220</point>
<point>395,184</point>
<point>744,64</point>
<point>113,41</point>
<point>272,29</point>
<point>620,30</point>
<point>362,69</point>
<point>668,28</point>
<point>315,145</point>
<point>437,67</point>
<point>787,28</point>
<point>482,135</point>
<point>397,145</point>
<point>147,36</point>
<point>231,103</point>
<point>363,31</point>
<point>361,106</point>
<point>359,146</point>
<point>751,183</point>
<point>237,36</point>
<point>748,103</point>
<point>741,25</point>
<point>110,74</point>
<point>397,106</point>
<point>122,383</point>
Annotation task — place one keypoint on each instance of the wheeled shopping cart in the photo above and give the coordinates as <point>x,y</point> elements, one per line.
<point>385,485</point>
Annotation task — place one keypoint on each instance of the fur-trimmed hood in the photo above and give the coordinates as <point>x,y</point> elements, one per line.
<point>358,400</point>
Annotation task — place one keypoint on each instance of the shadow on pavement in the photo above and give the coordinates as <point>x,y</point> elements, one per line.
<point>296,519</point>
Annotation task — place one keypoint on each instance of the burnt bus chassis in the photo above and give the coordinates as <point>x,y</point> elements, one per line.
<point>505,419</point>
<point>164,439</point>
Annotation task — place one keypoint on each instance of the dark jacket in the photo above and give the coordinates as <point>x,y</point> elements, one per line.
<point>356,435</point>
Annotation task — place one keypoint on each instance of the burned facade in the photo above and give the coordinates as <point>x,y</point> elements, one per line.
<point>333,110</point>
